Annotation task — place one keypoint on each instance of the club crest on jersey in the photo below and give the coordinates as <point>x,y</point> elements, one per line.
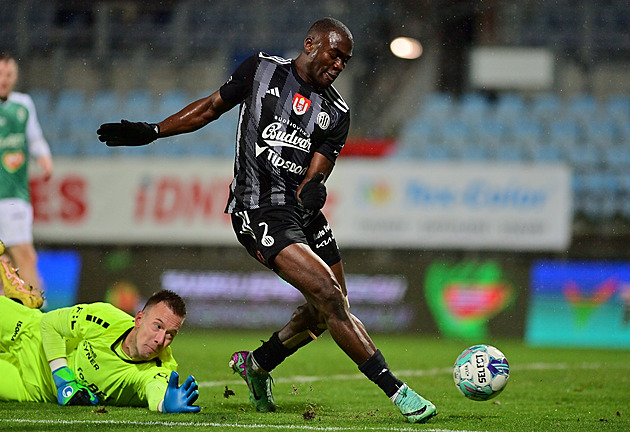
<point>300,104</point>
<point>323,120</point>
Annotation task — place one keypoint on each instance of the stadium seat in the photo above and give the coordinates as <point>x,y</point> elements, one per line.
<point>171,102</point>
<point>455,134</point>
<point>436,107</point>
<point>473,108</point>
<point>564,132</point>
<point>617,158</point>
<point>602,133</point>
<point>585,159</point>
<point>582,107</point>
<point>137,104</point>
<point>510,153</point>
<point>70,102</point>
<point>526,133</point>
<point>546,154</point>
<point>490,133</point>
<point>545,106</point>
<point>617,107</point>
<point>105,105</point>
<point>471,153</point>
<point>510,108</point>
<point>436,152</point>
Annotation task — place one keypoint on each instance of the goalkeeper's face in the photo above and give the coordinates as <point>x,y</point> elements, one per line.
<point>155,328</point>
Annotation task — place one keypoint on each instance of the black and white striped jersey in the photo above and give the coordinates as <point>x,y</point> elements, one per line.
<point>282,122</point>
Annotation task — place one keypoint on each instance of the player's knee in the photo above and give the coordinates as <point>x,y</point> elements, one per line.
<point>331,301</point>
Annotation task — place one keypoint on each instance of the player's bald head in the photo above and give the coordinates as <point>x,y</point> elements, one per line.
<point>325,26</point>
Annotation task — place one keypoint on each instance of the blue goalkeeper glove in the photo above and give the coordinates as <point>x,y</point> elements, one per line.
<point>180,399</point>
<point>69,391</point>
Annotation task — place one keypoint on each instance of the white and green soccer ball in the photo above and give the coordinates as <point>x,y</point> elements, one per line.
<point>481,372</point>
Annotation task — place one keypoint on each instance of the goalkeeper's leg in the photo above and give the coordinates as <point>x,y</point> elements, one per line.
<point>15,325</point>
<point>12,388</point>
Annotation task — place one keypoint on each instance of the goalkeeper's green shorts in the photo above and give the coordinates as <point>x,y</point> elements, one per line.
<point>24,371</point>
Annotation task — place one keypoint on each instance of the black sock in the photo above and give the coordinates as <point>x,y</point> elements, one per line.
<point>271,353</point>
<point>377,370</point>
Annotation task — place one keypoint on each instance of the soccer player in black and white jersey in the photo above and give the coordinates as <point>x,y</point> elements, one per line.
<point>292,126</point>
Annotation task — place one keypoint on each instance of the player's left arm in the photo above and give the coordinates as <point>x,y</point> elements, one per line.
<point>164,394</point>
<point>312,191</point>
<point>38,146</point>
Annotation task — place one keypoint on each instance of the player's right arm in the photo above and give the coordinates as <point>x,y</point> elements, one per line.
<point>56,326</point>
<point>194,116</point>
<point>191,118</point>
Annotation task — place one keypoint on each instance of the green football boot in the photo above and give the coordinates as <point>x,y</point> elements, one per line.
<point>259,383</point>
<point>414,407</point>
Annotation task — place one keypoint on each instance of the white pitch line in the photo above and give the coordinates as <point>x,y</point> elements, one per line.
<point>221,425</point>
<point>404,373</point>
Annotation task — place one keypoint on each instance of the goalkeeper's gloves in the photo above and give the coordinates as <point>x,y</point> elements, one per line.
<point>180,399</point>
<point>69,391</point>
<point>313,194</point>
<point>128,133</point>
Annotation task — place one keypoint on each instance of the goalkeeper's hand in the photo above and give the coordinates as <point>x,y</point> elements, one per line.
<point>313,194</point>
<point>69,391</point>
<point>180,399</point>
<point>128,133</point>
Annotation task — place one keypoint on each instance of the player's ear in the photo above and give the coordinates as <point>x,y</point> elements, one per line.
<point>308,45</point>
<point>138,318</point>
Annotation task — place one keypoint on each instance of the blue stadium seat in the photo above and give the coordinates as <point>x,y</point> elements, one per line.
<point>585,159</point>
<point>564,131</point>
<point>526,133</point>
<point>602,133</point>
<point>617,107</point>
<point>510,153</point>
<point>510,108</point>
<point>617,158</point>
<point>436,106</point>
<point>490,134</point>
<point>545,106</point>
<point>436,152</point>
<point>546,154</point>
<point>137,105</point>
<point>455,134</point>
<point>471,153</point>
<point>70,102</point>
<point>473,108</point>
<point>105,105</point>
<point>171,102</point>
<point>582,106</point>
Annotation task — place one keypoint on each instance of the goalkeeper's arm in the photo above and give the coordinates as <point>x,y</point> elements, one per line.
<point>172,398</point>
<point>54,330</point>
<point>194,116</point>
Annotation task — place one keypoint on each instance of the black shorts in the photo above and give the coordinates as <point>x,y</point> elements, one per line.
<point>265,232</point>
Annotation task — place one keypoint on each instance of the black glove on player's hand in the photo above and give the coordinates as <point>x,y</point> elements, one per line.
<point>313,193</point>
<point>128,133</point>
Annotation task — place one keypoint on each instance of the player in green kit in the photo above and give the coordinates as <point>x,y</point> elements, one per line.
<point>21,139</point>
<point>94,353</point>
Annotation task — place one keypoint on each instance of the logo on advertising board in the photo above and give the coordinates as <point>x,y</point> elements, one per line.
<point>464,296</point>
<point>300,104</point>
<point>579,304</point>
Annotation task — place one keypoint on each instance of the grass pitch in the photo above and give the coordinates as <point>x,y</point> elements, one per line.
<point>320,389</point>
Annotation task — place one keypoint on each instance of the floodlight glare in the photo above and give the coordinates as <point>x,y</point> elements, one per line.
<point>407,48</point>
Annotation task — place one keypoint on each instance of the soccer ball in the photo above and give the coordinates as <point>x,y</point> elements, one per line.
<point>481,372</point>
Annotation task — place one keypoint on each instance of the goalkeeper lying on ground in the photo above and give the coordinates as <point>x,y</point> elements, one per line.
<point>96,353</point>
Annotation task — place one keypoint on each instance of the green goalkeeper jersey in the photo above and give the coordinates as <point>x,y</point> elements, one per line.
<point>90,336</point>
